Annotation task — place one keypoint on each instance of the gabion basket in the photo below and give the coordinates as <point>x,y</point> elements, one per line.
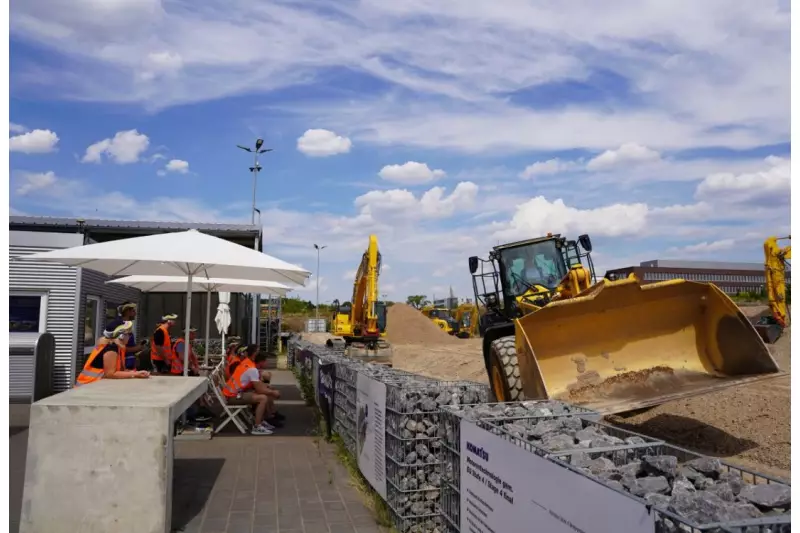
<point>690,477</point>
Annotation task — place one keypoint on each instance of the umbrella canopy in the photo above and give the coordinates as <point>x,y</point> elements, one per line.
<point>190,253</point>
<point>178,284</point>
<point>181,252</point>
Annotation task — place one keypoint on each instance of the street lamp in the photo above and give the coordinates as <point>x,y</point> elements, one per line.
<point>319,249</point>
<point>255,169</point>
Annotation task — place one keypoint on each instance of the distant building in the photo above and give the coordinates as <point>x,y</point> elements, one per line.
<point>731,277</point>
<point>448,303</point>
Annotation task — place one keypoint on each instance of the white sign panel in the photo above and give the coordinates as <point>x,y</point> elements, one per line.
<point>505,489</point>
<point>371,431</point>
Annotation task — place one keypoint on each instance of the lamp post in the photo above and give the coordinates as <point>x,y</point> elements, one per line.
<point>319,249</point>
<point>255,169</point>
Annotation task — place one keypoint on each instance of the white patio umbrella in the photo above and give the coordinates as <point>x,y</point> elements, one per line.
<point>223,318</point>
<point>178,284</point>
<point>188,253</point>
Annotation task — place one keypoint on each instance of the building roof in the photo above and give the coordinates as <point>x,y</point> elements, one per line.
<point>703,265</point>
<point>95,223</point>
<point>102,230</point>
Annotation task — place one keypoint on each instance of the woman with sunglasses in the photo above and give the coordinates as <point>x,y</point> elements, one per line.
<point>107,360</point>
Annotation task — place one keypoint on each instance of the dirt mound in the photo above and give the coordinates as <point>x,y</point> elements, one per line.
<point>406,325</point>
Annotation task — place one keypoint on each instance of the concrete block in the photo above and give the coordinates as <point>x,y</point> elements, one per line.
<point>100,456</point>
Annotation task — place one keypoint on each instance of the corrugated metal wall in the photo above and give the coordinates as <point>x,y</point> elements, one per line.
<point>60,282</point>
<point>111,295</point>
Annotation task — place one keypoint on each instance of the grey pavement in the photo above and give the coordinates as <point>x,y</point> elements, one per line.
<point>290,482</point>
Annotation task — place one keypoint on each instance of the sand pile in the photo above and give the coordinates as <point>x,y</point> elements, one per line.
<point>406,325</point>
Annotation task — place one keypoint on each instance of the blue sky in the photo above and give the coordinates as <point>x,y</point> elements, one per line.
<point>446,128</point>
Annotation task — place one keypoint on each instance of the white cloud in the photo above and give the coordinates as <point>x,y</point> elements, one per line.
<point>34,142</point>
<point>702,248</point>
<point>627,153</point>
<point>29,182</point>
<point>401,203</point>
<point>323,143</point>
<point>711,81</point>
<point>177,165</point>
<point>546,168</point>
<point>410,173</point>
<point>770,187</point>
<point>539,216</point>
<point>16,128</point>
<point>124,148</point>
<point>162,63</point>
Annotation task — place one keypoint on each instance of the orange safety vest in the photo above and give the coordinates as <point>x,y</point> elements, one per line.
<point>176,364</point>
<point>230,361</point>
<point>154,356</point>
<point>90,374</point>
<point>233,387</point>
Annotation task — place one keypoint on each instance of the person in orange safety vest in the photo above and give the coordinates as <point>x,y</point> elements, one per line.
<point>161,344</point>
<point>246,388</point>
<point>176,361</point>
<point>107,360</point>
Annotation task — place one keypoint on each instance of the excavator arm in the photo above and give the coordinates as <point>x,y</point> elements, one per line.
<point>775,261</point>
<point>364,315</point>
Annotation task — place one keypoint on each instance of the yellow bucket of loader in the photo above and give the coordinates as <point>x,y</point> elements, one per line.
<point>621,345</point>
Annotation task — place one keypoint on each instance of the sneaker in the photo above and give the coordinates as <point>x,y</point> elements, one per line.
<point>267,425</point>
<point>260,430</point>
<point>203,418</point>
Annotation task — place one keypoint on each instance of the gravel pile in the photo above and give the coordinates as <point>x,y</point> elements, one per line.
<point>414,434</point>
<point>700,491</point>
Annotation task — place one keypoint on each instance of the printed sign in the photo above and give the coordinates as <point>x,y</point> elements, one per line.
<point>327,388</point>
<point>371,431</point>
<point>506,489</point>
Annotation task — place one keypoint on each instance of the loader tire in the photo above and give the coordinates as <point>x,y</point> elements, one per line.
<point>504,375</point>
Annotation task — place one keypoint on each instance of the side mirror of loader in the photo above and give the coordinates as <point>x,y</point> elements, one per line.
<point>586,242</point>
<point>473,264</point>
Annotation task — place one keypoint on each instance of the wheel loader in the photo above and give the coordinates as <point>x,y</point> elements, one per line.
<point>441,317</point>
<point>550,330</point>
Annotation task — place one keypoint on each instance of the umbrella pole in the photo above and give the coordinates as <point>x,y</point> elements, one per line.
<point>208,324</point>
<point>188,325</point>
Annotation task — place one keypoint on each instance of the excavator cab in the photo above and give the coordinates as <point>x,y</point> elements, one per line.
<point>551,331</point>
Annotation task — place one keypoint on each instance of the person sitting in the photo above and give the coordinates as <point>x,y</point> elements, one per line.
<point>246,388</point>
<point>161,344</point>
<point>231,355</point>
<point>176,359</point>
<point>127,313</point>
<point>107,360</point>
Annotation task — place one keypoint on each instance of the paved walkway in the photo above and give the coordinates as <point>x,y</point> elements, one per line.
<point>290,482</point>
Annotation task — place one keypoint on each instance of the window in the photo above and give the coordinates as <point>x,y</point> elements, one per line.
<point>27,312</point>
<point>92,320</point>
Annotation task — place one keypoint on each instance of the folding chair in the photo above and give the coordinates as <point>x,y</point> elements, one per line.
<point>238,414</point>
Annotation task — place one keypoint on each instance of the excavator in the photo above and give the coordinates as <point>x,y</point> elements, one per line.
<point>441,317</point>
<point>466,317</point>
<point>361,326</point>
<point>775,262</point>
<point>550,330</point>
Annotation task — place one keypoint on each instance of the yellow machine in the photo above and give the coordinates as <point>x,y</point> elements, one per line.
<point>467,320</point>
<point>550,331</point>
<point>441,317</point>
<point>775,262</point>
<point>362,323</point>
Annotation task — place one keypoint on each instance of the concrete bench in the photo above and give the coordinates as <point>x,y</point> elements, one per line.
<point>100,456</point>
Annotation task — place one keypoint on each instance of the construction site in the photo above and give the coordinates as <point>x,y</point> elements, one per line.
<point>745,423</point>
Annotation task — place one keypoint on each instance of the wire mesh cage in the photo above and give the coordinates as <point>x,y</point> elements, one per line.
<point>690,493</point>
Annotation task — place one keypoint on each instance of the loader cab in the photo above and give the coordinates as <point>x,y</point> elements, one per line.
<point>533,266</point>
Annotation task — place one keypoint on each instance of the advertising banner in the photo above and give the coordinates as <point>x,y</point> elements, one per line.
<point>505,489</point>
<point>326,390</point>
<point>371,431</point>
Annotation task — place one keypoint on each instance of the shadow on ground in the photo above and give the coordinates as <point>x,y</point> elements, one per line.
<point>192,485</point>
<point>687,433</point>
